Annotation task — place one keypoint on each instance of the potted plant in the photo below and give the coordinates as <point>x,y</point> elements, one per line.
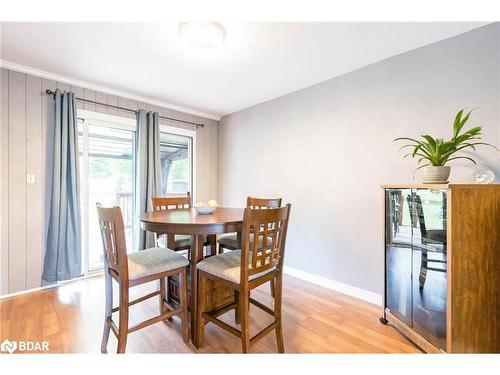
<point>435,153</point>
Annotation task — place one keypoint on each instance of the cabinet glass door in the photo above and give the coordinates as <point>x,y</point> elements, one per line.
<point>398,257</point>
<point>429,218</point>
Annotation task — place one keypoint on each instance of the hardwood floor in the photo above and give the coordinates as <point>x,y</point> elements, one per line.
<point>316,320</point>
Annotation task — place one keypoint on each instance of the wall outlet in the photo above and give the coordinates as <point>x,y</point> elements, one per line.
<point>30,179</point>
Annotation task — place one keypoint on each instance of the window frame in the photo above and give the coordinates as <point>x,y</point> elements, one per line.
<point>91,118</point>
<point>192,155</point>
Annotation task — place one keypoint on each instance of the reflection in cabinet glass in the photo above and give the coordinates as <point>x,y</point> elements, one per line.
<point>398,254</point>
<point>416,260</point>
<point>429,285</point>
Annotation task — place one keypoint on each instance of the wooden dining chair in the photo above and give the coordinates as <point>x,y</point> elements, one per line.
<point>231,242</point>
<point>177,242</point>
<point>134,269</point>
<point>174,242</point>
<point>245,269</point>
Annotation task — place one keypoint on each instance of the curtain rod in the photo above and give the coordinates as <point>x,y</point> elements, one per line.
<point>50,92</point>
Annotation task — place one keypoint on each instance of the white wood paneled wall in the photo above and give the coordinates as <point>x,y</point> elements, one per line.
<point>25,110</point>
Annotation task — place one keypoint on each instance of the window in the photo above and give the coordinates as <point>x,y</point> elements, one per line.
<point>175,161</point>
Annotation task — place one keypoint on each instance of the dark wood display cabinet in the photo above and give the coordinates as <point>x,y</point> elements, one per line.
<point>442,265</point>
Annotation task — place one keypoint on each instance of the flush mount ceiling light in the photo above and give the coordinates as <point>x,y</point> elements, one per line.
<point>204,35</point>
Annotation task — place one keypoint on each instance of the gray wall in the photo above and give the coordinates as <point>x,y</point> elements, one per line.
<point>328,148</point>
<point>22,129</point>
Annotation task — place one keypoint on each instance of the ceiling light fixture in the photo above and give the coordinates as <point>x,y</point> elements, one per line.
<point>204,35</point>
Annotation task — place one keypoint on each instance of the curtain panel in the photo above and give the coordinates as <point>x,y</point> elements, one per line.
<point>147,172</point>
<point>63,215</point>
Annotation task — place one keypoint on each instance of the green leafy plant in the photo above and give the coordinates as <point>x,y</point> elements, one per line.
<point>436,152</point>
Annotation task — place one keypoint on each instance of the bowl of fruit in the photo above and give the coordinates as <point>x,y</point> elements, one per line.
<point>205,208</point>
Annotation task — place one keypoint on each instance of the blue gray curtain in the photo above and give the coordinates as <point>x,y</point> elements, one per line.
<point>147,171</point>
<point>63,220</point>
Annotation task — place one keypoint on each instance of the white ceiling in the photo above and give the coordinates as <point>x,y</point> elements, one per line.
<point>259,61</point>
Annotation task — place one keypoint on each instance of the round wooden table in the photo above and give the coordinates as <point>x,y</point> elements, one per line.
<point>188,222</point>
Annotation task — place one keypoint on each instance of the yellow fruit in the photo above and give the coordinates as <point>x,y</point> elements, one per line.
<point>212,203</point>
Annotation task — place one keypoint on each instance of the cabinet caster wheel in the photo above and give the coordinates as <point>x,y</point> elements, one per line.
<point>383,320</point>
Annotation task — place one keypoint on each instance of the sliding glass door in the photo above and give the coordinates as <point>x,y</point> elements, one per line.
<point>107,161</point>
<point>107,177</point>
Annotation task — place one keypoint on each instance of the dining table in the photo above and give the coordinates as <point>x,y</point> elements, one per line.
<point>187,221</point>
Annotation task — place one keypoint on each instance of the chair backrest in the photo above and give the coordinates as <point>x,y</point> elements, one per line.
<point>415,205</point>
<point>113,238</point>
<point>263,239</point>
<point>263,202</point>
<point>171,203</point>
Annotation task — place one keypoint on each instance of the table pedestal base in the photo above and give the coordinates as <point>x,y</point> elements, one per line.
<point>217,295</point>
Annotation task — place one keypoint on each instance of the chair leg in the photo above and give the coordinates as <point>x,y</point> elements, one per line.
<point>184,305</point>
<point>272,287</point>
<point>108,312</point>
<point>245,323</point>
<point>237,316</point>
<point>201,308</point>
<point>212,240</point>
<point>163,297</point>
<point>123,324</point>
<point>278,286</point>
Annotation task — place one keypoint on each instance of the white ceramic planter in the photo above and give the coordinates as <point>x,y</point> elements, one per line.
<point>436,175</point>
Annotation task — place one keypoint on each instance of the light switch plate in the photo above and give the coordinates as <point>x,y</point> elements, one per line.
<point>30,179</point>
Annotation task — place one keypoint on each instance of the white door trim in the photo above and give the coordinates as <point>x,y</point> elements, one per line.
<point>103,119</point>
<point>192,135</point>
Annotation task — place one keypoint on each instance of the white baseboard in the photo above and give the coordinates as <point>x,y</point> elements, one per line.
<point>50,286</point>
<point>350,290</point>
<point>37,289</point>
<point>347,289</point>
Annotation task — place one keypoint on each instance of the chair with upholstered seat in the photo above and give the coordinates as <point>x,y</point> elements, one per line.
<point>176,242</point>
<point>231,241</point>
<point>245,269</point>
<point>134,269</point>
